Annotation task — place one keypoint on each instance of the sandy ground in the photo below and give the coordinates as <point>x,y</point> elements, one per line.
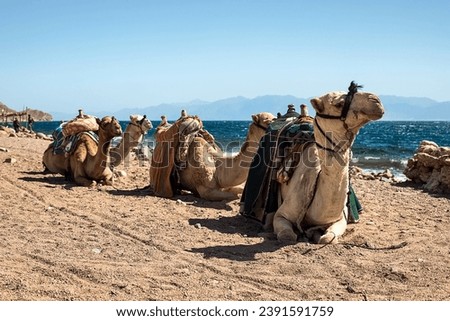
<point>59,241</point>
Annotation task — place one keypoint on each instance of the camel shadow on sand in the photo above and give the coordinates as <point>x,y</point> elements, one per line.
<point>235,225</point>
<point>187,198</point>
<point>39,176</point>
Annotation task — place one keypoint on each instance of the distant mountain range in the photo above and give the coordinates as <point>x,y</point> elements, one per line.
<point>241,108</point>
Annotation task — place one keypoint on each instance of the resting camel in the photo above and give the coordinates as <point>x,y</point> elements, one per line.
<point>89,163</point>
<point>202,168</point>
<point>214,176</point>
<point>314,199</point>
<point>132,136</point>
<point>172,142</point>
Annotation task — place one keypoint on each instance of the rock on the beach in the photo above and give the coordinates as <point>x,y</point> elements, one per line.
<point>120,173</point>
<point>3,149</point>
<point>10,160</point>
<point>43,136</point>
<point>7,130</point>
<point>430,166</point>
<point>385,176</point>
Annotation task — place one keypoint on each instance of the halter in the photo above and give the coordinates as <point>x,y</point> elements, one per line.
<point>352,89</point>
<point>348,100</point>
<point>260,126</point>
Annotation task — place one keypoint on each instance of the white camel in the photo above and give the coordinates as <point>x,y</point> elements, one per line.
<point>132,136</point>
<point>314,199</point>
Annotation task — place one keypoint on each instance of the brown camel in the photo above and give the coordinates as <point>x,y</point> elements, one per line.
<point>215,176</point>
<point>172,142</point>
<point>132,136</point>
<point>201,166</point>
<point>89,163</point>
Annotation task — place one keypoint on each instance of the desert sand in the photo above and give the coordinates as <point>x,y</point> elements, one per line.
<point>59,241</point>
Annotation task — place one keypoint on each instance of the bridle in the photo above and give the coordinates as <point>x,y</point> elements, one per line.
<point>259,126</point>
<point>136,138</point>
<point>352,90</point>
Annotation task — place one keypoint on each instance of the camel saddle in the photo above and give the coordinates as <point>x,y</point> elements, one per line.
<point>276,159</point>
<point>260,195</point>
<point>66,144</point>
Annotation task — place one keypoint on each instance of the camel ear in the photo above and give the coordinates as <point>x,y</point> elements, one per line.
<point>131,117</point>
<point>317,103</point>
<point>98,120</point>
<point>255,118</point>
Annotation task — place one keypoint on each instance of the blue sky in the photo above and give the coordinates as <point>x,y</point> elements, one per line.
<point>108,55</point>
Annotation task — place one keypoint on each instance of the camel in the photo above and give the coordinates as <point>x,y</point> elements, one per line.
<point>132,136</point>
<point>215,176</point>
<point>172,142</point>
<point>89,163</point>
<point>314,199</point>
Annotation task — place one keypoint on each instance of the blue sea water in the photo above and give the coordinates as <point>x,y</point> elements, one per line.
<point>379,145</point>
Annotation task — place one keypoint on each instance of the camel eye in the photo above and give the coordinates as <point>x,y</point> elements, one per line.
<point>340,103</point>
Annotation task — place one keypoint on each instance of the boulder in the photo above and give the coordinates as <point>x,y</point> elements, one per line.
<point>10,160</point>
<point>430,166</point>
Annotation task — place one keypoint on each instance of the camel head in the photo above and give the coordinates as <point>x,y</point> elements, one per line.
<point>260,124</point>
<point>354,108</point>
<point>109,127</point>
<point>142,122</point>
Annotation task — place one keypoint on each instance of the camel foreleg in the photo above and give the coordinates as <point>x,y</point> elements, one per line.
<point>215,194</point>
<point>80,177</point>
<point>238,189</point>
<point>84,181</point>
<point>331,234</point>
<point>283,226</point>
<point>335,231</point>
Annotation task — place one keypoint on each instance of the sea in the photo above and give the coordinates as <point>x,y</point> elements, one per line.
<point>379,146</point>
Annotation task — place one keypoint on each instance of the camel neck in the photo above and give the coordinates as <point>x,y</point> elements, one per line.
<point>130,139</point>
<point>101,158</point>
<point>337,138</point>
<point>235,169</point>
<point>333,179</point>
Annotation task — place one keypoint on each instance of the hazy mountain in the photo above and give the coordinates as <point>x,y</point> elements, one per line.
<point>415,108</point>
<point>241,108</point>
<point>234,108</point>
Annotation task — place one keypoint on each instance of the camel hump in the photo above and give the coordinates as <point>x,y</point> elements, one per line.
<point>78,125</point>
